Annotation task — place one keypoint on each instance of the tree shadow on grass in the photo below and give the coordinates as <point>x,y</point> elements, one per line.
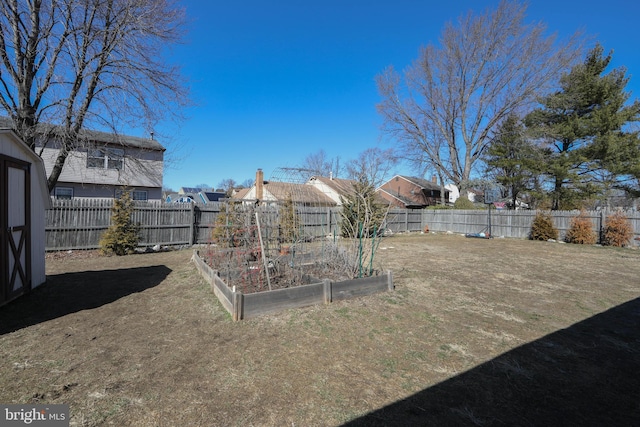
<point>68,293</point>
<point>587,374</point>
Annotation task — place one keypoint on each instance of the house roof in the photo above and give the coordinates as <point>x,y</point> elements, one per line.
<point>423,183</point>
<point>404,200</point>
<point>97,136</point>
<point>340,186</point>
<point>299,193</point>
<point>239,194</point>
<point>185,190</point>
<point>39,170</point>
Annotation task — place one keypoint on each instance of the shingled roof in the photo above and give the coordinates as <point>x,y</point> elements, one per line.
<point>424,183</point>
<point>299,193</point>
<point>96,136</point>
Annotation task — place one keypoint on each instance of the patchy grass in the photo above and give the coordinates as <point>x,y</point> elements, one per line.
<point>477,332</point>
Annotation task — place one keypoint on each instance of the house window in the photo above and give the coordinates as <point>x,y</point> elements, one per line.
<point>96,158</point>
<point>135,194</point>
<point>105,158</point>
<point>139,195</point>
<point>63,193</point>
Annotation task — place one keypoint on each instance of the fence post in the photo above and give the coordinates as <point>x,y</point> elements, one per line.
<point>390,280</point>
<point>326,290</point>
<point>192,225</point>
<point>238,303</point>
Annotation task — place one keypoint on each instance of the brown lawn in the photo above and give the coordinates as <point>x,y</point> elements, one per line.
<point>477,332</point>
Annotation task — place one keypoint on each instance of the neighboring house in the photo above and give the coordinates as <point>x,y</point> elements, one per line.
<point>239,194</point>
<point>197,195</point>
<point>24,197</point>
<point>104,165</point>
<point>265,192</point>
<point>454,193</point>
<point>411,192</point>
<point>334,188</point>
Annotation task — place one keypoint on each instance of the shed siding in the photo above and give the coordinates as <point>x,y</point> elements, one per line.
<point>11,146</point>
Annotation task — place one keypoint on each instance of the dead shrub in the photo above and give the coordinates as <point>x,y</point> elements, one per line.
<point>581,230</point>
<point>617,230</point>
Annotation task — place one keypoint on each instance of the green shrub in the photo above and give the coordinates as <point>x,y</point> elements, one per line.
<point>542,227</point>
<point>463,203</point>
<point>617,230</point>
<point>121,238</point>
<point>581,231</point>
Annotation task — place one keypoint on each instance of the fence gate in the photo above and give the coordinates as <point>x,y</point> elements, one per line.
<point>15,242</point>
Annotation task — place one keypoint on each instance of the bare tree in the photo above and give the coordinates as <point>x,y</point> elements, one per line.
<point>247,183</point>
<point>372,166</point>
<point>227,185</point>
<point>71,65</point>
<point>320,164</point>
<point>453,96</point>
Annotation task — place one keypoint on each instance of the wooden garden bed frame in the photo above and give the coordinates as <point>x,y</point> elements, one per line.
<point>245,306</point>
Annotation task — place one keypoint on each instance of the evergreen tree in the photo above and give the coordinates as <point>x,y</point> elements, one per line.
<point>121,238</point>
<point>512,159</point>
<point>583,128</point>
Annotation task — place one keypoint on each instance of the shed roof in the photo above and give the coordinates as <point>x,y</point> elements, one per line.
<point>38,164</point>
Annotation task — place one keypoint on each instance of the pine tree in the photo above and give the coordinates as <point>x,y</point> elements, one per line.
<point>513,159</point>
<point>583,128</point>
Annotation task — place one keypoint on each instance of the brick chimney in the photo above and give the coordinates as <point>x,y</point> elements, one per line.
<point>259,184</point>
<point>434,178</point>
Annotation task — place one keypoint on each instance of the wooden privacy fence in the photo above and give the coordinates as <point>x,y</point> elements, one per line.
<point>503,222</point>
<point>79,223</point>
<point>245,306</point>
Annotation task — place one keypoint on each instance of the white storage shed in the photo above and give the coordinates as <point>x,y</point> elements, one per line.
<point>24,198</point>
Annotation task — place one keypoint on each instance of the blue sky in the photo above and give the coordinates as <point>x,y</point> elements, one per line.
<point>274,82</point>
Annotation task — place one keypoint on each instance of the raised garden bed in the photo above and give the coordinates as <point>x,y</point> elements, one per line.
<point>317,291</point>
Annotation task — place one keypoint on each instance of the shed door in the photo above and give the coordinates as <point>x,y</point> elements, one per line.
<point>15,214</point>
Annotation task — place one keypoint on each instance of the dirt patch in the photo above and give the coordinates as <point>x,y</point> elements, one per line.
<point>477,332</point>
